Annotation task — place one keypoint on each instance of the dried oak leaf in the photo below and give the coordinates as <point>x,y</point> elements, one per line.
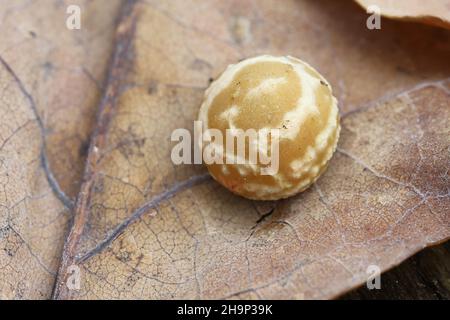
<point>49,89</point>
<point>434,12</point>
<point>145,228</point>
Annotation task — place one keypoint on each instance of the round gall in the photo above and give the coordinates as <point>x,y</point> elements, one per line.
<point>283,114</point>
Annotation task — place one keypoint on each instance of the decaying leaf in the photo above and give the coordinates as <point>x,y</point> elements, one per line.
<point>435,12</point>
<point>50,80</point>
<point>145,228</point>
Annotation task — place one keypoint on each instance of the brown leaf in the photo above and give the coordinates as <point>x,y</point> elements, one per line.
<point>434,12</point>
<point>144,228</point>
<point>147,229</point>
<point>371,207</point>
<point>50,80</point>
